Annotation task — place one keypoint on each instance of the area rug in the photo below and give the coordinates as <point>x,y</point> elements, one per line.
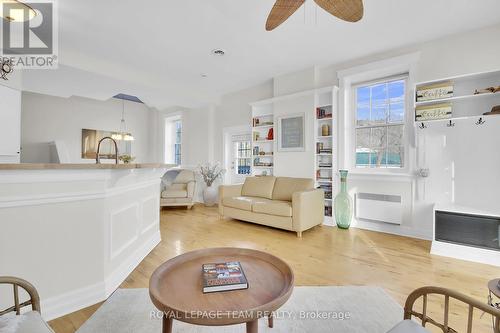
<point>310,309</point>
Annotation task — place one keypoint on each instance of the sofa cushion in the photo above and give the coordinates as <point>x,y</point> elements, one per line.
<point>284,187</point>
<point>408,326</point>
<point>273,207</point>
<point>261,187</point>
<point>244,203</point>
<point>174,194</point>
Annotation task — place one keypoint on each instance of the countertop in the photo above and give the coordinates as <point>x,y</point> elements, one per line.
<point>83,166</point>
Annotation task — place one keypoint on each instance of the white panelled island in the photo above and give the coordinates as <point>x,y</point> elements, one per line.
<point>76,231</point>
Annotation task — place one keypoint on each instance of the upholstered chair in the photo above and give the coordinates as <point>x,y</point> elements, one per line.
<point>181,192</point>
<point>12,320</point>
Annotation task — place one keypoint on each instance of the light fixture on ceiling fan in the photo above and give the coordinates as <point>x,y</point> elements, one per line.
<point>17,11</point>
<point>347,10</point>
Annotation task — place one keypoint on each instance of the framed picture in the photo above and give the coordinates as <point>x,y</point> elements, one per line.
<point>90,139</point>
<point>291,135</point>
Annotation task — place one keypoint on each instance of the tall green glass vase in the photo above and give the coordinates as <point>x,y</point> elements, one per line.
<point>343,203</point>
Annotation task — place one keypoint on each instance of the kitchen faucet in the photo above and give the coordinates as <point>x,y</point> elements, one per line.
<point>97,159</point>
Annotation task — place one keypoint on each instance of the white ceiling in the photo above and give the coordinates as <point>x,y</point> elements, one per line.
<point>157,50</point>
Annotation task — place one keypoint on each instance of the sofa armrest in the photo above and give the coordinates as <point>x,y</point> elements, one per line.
<point>228,191</point>
<point>308,209</point>
<point>191,188</point>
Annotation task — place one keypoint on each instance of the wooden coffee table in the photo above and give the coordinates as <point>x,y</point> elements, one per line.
<point>176,289</point>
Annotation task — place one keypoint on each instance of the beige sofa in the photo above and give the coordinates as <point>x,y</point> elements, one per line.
<point>281,202</point>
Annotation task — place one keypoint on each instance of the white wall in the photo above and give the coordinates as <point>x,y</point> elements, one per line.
<point>454,55</point>
<point>48,118</point>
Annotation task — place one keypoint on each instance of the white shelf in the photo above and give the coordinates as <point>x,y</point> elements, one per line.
<point>263,141</point>
<point>456,98</point>
<point>323,181</point>
<point>324,119</point>
<point>262,126</point>
<point>325,168</point>
<point>268,156</point>
<point>324,136</point>
<point>447,120</point>
<point>262,167</point>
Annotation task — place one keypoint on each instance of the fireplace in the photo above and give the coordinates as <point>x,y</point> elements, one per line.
<point>467,229</point>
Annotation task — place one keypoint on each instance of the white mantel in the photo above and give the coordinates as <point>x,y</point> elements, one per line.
<point>77,233</point>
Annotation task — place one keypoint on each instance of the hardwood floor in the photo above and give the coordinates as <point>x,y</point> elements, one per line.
<point>324,256</point>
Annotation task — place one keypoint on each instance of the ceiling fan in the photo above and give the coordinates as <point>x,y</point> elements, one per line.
<point>347,10</point>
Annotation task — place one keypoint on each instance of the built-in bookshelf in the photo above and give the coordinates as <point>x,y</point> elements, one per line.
<point>464,96</point>
<point>262,141</point>
<point>325,161</point>
<point>321,142</point>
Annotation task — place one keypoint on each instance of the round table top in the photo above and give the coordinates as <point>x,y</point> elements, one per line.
<point>176,287</point>
<point>493,287</point>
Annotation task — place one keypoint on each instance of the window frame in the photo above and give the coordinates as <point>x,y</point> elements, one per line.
<point>177,143</point>
<point>239,156</point>
<point>405,123</point>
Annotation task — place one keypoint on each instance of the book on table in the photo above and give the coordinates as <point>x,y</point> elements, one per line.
<point>223,277</point>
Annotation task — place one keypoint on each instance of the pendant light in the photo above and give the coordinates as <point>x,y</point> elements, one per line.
<point>123,135</point>
<point>17,11</point>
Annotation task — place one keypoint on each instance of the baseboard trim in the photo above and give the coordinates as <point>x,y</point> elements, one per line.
<point>391,229</point>
<point>75,300</point>
<point>120,274</point>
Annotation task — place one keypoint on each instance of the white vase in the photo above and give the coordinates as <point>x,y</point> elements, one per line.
<point>210,196</point>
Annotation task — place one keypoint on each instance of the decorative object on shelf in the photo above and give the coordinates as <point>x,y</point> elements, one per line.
<point>325,130</point>
<point>125,158</point>
<point>494,110</point>
<point>489,90</point>
<point>351,11</point>
<point>210,174</point>
<point>6,69</point>
<point>256,136</point>
<point>291,136</point>
<point>435,91</point>
<point>433,112</point>
<point>343,203</point>
<point>270,134</point>
<point>123,134</point>
<point>324,113</point>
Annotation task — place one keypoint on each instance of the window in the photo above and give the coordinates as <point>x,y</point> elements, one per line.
<point>177,144</point>
<point>173,140</point>
<point>243,157</point>
<point>380,109</point>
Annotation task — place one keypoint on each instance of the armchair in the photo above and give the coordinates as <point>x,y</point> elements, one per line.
<point>181,192</point>
<point>28,322</point>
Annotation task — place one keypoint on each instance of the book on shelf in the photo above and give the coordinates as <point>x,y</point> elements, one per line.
<point>328,210</point>
<point>325,165</point>
<point>323,113</point>
<point>223,277</point>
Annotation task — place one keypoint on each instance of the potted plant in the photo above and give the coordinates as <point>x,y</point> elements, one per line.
<point>126,158</point>
<point>210,174</point>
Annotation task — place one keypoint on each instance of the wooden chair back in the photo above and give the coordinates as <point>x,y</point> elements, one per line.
<point>34,300</point>
<point>424,292</point>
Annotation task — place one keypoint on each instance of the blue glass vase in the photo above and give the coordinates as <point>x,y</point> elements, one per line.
<point>343,203</point>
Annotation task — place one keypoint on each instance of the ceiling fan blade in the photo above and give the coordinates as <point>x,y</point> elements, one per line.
<point>347,10</point>
<point>282,10</point>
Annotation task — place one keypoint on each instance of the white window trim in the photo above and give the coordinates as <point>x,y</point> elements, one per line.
<point>393,67</point>
<point>171,118</point>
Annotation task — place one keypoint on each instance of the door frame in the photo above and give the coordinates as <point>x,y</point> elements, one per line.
<point>227,133</point>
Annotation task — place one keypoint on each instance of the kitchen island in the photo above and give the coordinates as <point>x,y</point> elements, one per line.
<point>76,231</point>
